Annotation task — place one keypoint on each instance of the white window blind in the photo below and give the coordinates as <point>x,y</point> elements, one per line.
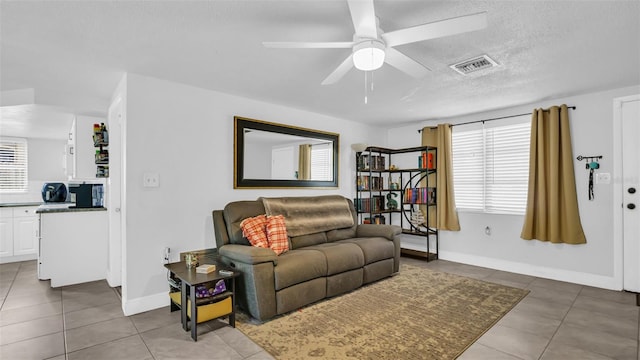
<point>321,164</point>
<point>491,166</point>
<point>13,165</point>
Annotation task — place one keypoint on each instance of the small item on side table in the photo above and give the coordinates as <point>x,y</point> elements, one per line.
<point>225,272</point>
<point>191,260</point>
<point>205,268</point>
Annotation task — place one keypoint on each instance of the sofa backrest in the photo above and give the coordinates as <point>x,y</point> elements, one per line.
<point>235,212</point>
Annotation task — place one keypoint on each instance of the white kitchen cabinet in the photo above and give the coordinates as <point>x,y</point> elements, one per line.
<point>25,231</point>
<point>19,229</point>
<point>73,246</point>
<point>6,233</point>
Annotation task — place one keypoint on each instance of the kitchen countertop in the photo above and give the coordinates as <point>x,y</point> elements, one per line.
<point>16,204</point>
<point>45,210</point>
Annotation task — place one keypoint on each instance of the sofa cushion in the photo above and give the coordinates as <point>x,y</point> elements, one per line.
<point>297,266</point>
<point>341,234</point>
<point>308,240</point>
<point>234,213</point>
<point>277,234</point>
<point>255,230</point>
<point>374,248</point>
<point>340,257</point>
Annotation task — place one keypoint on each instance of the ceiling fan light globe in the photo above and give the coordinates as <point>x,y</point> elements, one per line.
<point>368,55</point>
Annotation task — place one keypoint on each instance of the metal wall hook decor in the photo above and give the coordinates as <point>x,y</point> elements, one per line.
<point>580,157</point>
<point>592,164</point>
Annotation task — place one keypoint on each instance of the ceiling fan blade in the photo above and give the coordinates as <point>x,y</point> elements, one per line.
<point>404,63</point>
<point>363,16</point>
<point>436,29</point>
<point>339,72</point>
<point>308,45</point>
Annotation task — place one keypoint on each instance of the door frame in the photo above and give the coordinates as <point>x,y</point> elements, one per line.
<point>618,208</point>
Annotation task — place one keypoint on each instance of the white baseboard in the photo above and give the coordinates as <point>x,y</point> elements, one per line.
<point>112,280</point>
<point>594,280</point>
<point>147,303</point>
<point>18,258</point>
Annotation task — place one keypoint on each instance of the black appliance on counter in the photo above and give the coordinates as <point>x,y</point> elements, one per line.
<point>87,195</point>
<point>54,192</point>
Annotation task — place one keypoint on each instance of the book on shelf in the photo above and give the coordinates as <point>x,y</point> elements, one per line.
<point>426,160</point>
<point>376,183</point>
<point>371,162</point>
<point>206,269</point>
<point>420,195</point>
<point>362,204</point>
<point>377,203</point>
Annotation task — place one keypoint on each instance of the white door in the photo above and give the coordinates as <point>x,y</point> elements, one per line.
<point>629,120</point>
<point>282,167</point>
<point>114,194</point>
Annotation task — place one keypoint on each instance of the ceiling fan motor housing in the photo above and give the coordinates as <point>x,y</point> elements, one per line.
<point>368,54</point>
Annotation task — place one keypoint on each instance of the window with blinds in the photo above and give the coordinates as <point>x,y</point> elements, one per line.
<point>491,166</point>
<point>13,165</point>
<point>321,164</point>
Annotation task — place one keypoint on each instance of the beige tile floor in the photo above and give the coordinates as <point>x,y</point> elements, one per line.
<point>555,321</point>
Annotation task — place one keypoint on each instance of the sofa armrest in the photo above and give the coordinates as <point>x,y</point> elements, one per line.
<point>371,230</point>
<point>248,254</point>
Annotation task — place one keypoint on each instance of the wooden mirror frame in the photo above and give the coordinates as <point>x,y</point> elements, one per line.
<point>239,182</point>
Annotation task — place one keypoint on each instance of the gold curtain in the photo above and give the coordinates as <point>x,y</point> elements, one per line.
<point>446,216</point>
<point>552,202</point>
<point>304,162</point>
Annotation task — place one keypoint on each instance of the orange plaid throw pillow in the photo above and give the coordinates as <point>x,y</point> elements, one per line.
<point>254,229</point>
<point>277,234</point>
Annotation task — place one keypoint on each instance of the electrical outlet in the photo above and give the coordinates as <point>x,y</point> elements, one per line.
<point>166,255</point>
<point>151,180</point>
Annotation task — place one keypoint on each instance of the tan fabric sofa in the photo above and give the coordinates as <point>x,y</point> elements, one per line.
<point>318,265</point>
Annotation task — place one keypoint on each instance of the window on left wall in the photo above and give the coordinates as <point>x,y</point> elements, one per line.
<point>13,165</point>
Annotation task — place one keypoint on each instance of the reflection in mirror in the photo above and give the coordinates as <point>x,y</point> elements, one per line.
<point>274,155</point>
<point>269,155</point>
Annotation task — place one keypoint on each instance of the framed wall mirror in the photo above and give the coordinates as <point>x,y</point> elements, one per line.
<point>270,155</point>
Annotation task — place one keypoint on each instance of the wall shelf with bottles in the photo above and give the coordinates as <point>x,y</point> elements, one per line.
<point>101,142</point>
<point>398,186</point>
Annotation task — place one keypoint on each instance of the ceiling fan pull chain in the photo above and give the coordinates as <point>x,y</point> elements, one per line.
<point>365,87</point>
<point>372,81</point>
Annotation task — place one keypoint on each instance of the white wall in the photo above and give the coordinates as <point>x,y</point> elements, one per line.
<point>45,165</point>
<point>591,263</point>
<point>185,134</point>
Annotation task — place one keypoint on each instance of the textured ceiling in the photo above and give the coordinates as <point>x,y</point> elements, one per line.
<point>74,53</point>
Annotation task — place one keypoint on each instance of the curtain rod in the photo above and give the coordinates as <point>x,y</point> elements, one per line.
<point>492,119</point>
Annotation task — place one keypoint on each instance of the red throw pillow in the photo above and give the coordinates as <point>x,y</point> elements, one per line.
<point>277,234</point>
<point>254,229</point>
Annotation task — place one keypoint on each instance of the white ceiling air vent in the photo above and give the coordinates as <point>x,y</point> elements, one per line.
<point>478,63</point>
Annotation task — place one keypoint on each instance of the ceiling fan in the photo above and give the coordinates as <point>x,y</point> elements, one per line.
<point>371,47</point>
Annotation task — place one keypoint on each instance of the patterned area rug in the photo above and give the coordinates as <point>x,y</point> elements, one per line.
<point>417,314</point>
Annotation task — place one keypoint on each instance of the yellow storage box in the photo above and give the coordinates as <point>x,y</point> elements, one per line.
<point>206,312</point>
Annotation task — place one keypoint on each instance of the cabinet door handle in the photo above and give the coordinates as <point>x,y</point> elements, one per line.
<point>71,150</point>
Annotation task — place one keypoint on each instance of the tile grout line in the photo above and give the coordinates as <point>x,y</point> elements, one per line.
<point>64,324</point>
<point>561,322</point>
<point>13,281</point>
<point>141,337</point>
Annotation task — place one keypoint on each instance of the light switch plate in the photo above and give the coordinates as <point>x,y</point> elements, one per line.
<point>603,178</point>
<point>151,180</point>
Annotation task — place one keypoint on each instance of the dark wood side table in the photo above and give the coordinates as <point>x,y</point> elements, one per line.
<point>190,280</point>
